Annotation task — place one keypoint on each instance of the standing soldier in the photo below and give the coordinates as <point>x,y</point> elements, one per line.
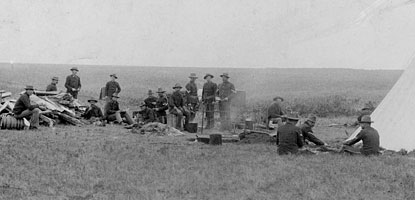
<point>112,87</point>
<point>52,86</point>
<point>226,91</point>
<point>73,83</point>
<point>150,100</point>
<point>191,96</point>
<point>208,98</point>
<point>176,107</point>
<point>161,106</point>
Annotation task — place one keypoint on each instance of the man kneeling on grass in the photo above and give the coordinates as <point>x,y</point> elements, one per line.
<point>148,115</point>
<point>113,112</point>
<point>368,135</point>
<point>289,138</point>
<point>307,131</point>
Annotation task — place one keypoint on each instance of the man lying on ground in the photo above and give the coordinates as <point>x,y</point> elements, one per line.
<point>368,135</point>
<point>289,138</point>
<point>307,131</point>
<point>113,112</point>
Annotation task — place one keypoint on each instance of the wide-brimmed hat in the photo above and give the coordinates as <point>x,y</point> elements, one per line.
<point>92,100</point>
<point>160,90</point>
<point>278,97</point>
<point>177,86</point>
<point>150,92</point>
<point>115,95</point>
<point>2,91</point>
<point>208,75</point>
<point>225,75</point>
<point>193,75</point>
<point>29,87</point>
<point>74,69</point>
<point>293,116</point>
<point>311,118</point>
<point>114,75</point>
<point>55,78</point>
<point>366,119</point>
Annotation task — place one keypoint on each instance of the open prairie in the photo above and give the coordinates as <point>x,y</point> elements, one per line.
<point>112,163</point>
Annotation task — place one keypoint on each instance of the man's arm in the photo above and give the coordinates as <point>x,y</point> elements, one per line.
<point>300,143</point>
<point>118,87</point>
<point>355,140</point>
<point>79,79</point>
<point>107,88</point>
<point>26,102</point>
<point>68,80</point>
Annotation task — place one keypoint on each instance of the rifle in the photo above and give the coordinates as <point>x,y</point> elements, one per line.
<point>203,116</point>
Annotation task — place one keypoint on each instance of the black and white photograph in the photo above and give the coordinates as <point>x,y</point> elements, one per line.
<point>207,99</point>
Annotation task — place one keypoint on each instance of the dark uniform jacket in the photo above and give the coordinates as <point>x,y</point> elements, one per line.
<point>148,115</point>
<point>226,90</point>
<point>162,104</point>
<point>307,133</point>
<point>370,138</point>
<point>112,87</point>
<point>111,107</point>
<point>72,81</point>
<point>176,100</point>
<point>191,87</point>
<point>22,104</point>
<point>209,92</point>
<point>93,111</point>
<point>51,87</point>
<point>151,101</point>
<point>289,139</point>
<point>275,110</point>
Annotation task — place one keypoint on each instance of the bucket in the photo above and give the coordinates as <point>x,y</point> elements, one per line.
<point>192,127</point>
<point>249,124</point>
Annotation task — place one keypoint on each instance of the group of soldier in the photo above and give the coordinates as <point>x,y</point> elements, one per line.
<point>185,104</point>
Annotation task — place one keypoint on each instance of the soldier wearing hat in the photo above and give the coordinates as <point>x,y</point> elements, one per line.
<point>148,115</point>
<point>93,112</point>
<point>52,86</point>
<point>226,91</point>
<point>208,98</point>
<point>73,83</point>
<point>113,113</point>
<point>275,111</point>
<point>112,86</point>
<point>368,135</point>
<point>307,131</point>
<point>192,100</point>
<point>289,138</point>
<point>151,100</point>
<point>162,105</point>
<point>176,105</point>
<point>24,109</point>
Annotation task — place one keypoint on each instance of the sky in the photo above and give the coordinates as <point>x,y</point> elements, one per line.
<point>370,34</point>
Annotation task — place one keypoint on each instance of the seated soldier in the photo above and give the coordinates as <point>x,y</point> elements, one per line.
<point>365,111</point>
<point>113,112</point>
<point>307,131</point>
<point>289,138</point>
<point>176,103</point>
<point>23,108</point>
<point>93,112</point>
<point>368,135</point>
<point>148,115</point>
<point>275,112</point>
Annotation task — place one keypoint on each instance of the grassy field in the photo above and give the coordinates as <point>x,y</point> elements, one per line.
<point>87,163</point>
<point>111,163</point>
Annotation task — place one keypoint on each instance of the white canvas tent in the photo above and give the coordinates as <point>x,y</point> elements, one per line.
<point>394,118</point>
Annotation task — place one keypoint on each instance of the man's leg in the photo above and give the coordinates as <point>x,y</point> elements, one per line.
<point>210,115</point>
<point>127,117</point>
<point>179,116</point>
<point>34,116</point>
<point>187,119</point>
